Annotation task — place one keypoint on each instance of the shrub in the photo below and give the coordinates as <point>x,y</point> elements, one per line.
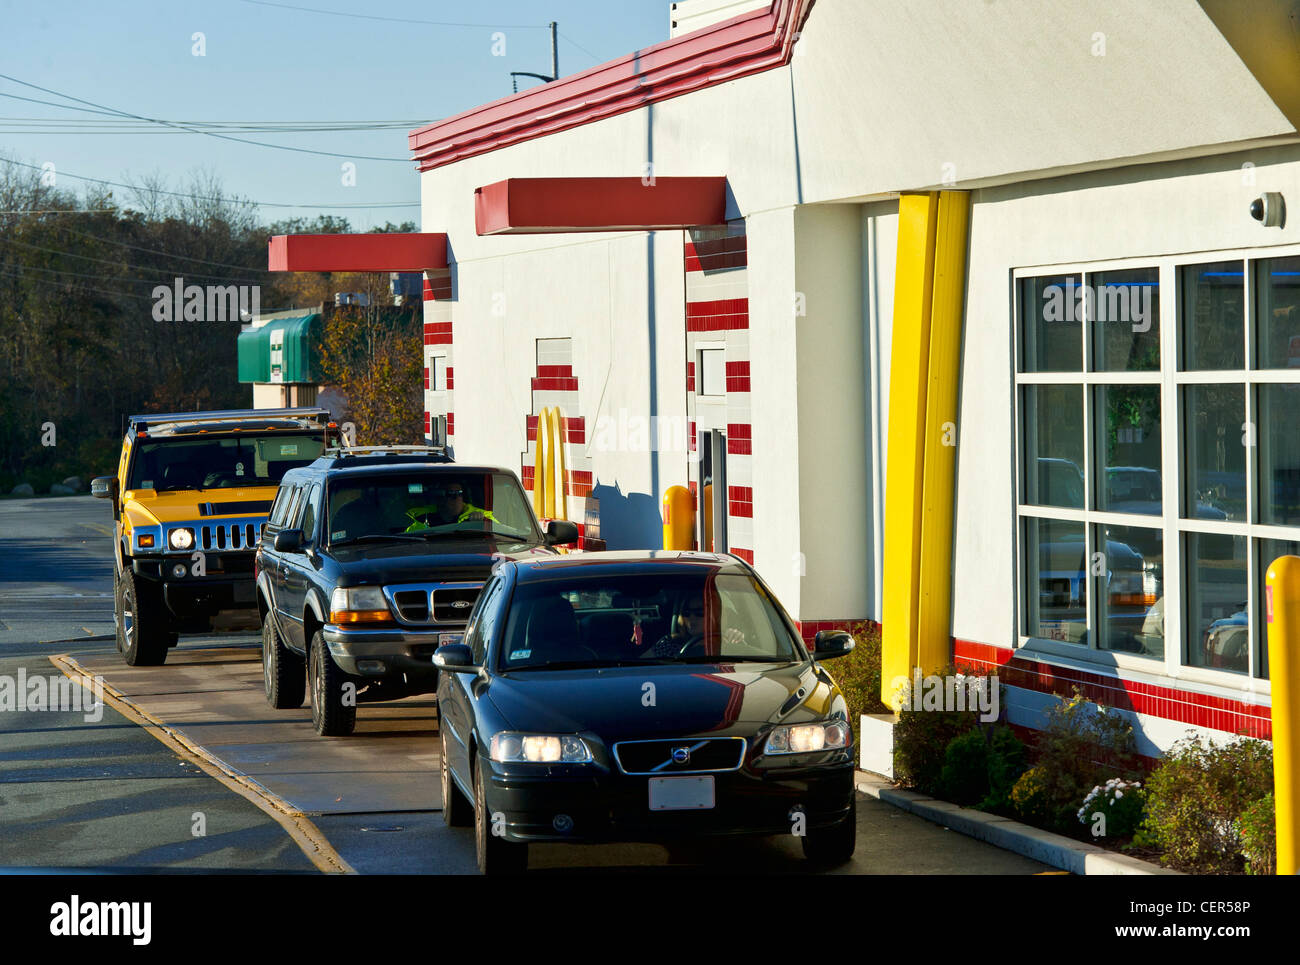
<point>981,766</point>
<point>1259,837</point>
<point>921,739</point>
<point>1197,798</point>
<point>1119,803</point>
<point>858,676</point>
<point>1007,761</point>
<point>1079,748</point>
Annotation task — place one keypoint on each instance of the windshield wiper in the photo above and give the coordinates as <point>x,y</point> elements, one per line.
<point>374,537</point>
<point>583,664</point>
<point>727,658</point>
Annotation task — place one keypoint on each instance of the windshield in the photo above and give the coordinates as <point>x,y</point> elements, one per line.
<point>429,505</point>
<point>221,462</point>
<point>702,615</point>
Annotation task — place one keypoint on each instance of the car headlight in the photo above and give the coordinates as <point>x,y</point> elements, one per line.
<point>180,539</point>
<point>512,748</point>
<point>825,735</point>
<point>359,604</point>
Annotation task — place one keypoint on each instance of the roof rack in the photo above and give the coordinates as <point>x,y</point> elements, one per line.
<point>341,452</point>
<point>157,418</point>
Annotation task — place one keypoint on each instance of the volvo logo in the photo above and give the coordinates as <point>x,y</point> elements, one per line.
<point>681,755</point>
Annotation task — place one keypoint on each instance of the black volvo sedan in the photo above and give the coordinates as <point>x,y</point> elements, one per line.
<point>641,696</point>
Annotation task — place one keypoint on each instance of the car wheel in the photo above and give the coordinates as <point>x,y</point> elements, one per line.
<point>833,845</point>
<point>142,633</point>
<point>496,855</point>
<point>282,669</point>
<point>456,811</point>
<point>333,712</point>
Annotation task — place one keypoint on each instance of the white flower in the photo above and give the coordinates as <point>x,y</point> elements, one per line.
<point>1118,795</point>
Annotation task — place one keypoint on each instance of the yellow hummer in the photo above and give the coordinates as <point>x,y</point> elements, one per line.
<point>191,494</point>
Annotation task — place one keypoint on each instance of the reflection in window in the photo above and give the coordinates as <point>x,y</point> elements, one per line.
<point>1279,453</point>
<point>1218,611</point>
<point>1212,315</point>
<point>1052,308</point>
<point>1277,313</point>
<point>1126,326</point>
<point>1215,444</point>
<point>1128,422</point>
<point>1269,550</point>
<point>1057,591</point>
<point>1131,603</point>
<point>1054,435</point>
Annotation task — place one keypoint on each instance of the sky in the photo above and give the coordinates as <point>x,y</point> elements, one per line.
<point>276,61</point>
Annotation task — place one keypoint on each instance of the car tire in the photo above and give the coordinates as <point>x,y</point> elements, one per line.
<point>457,812</point>
<point>283,671</point>
<point>142,629</point>
<point>496,855</point>
<point>833,845</point>
<point>332,715</point>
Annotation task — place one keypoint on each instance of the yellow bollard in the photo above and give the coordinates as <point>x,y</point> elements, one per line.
<point>679,519</point>
<point>1282,616</point>
<point>706,507</point>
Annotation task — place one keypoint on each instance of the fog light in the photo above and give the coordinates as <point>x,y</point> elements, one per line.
<point>562,823</point>
<point>178,571</point>
<point>370,666</point>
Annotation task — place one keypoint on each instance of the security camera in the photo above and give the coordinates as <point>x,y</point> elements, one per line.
<point>1269,209</point>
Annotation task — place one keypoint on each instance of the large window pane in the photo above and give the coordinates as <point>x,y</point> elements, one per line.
<point>1211,315</point>
<point>1127,418</point>
<point>1130,601</point>
<point>1279,453</point>
<point>1218,610</point>
<point>1053,417</point>
<point>1214,440</point>
<point>1269,550</point>
<point>1277,315</point>
<point>1056,596</point>
<point>1052,323</point>
<point>1126,320</point>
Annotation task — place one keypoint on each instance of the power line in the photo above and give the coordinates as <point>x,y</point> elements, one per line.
<point>580,47</point>
<point>98,291</point>
<point>366,16</point>
<point>223,137</point>
<point>119,264</point>
<point>199,197</point>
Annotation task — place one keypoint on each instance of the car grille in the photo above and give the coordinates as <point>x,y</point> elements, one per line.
<point>433,604</point>
<point>229,536</point>
<point>703,754</point>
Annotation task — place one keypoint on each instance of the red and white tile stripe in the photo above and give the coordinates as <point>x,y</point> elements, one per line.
<point>438,342</point>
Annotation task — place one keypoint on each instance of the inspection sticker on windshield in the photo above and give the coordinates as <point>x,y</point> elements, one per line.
<point>338,534</point>
<point>681,793</point>
<point>520,654</point>
<point>289,449</point>
<point>445,638</point>
<point>415,487</point>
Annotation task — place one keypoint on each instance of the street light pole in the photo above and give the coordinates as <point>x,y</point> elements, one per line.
<point>555,55</point>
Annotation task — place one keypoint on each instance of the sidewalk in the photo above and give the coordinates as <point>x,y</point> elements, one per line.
<point>1056,850</point>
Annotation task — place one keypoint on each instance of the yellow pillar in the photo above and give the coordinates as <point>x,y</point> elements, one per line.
<point>908,367</point>
<point>934,613</point>
<point>1282,616</point>
<point>679,520</point>
<point>924,373</point>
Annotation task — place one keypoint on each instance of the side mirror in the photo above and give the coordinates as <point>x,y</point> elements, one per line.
<point>288,541</point>
<point>832,643</point>
<point>560,531</point>
<point>456,657</point>
<point>105,487</point>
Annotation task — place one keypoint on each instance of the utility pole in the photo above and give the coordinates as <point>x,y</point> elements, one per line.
<point>555,54</point>
<point>555,64</point>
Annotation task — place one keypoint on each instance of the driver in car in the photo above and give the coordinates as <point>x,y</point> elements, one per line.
<point>451,508</point>
<point>690,627</point>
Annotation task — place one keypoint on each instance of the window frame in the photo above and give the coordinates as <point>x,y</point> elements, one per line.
<point>1172,522</point>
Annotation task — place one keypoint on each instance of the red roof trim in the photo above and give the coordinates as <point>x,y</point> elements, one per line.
<point>747,44</point>
<point>377,251</point>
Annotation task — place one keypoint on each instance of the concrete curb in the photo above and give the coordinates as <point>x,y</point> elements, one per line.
<point>1056,850</point>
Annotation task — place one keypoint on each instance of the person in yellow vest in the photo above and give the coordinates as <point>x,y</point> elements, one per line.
<point>451,508</point>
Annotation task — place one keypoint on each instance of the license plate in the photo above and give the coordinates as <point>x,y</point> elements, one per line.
<point>446,638</point>
<point>681,793</point>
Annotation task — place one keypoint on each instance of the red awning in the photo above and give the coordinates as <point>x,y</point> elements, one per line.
<point>548,205</point>
<point>424,251</point>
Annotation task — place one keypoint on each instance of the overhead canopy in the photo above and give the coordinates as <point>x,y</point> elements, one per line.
<point>282,350</point>
<point>546,205</point>
<point>420,251</point>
